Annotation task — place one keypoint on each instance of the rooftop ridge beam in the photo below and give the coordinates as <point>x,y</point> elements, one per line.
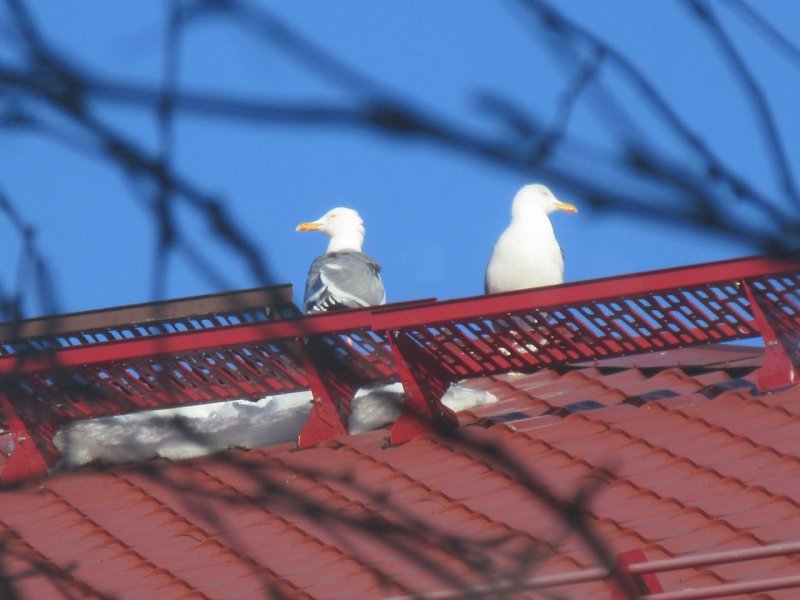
<point>146,312</point>
<point>187,340</point>
<point>595,289</point>
<point>429,344</point>
<point>217,337</point>
<point>405,314</point>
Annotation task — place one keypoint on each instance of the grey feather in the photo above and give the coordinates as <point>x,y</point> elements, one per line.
<point>345,279</point>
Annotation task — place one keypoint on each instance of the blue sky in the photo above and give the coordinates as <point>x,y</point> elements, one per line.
<point>432,214</point>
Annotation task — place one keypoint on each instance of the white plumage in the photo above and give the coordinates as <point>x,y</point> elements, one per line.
<point>527,253</point>
<point>343,277</point>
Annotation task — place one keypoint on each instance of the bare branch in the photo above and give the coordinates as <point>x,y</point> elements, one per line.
<point>267,26</point>
<point>556,23</point>
<point>162,203</point>
<point>761,108</point>
<point>31,264</point>
<point>587,73</point>
<point>770,33</point>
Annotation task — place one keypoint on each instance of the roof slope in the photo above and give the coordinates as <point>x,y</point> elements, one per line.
<point>677,453</point>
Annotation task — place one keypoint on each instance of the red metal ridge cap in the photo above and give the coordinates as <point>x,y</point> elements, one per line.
<point>146,312</point>
<point>594,289</point>
<point>278,329</point>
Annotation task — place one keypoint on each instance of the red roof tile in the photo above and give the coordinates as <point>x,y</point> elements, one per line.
<point>677,452</point>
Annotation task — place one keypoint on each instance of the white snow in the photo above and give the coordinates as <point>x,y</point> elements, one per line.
<point>375,407</point>
<point>461,397</point>
<point>185,432</point>
<point>380,405</point>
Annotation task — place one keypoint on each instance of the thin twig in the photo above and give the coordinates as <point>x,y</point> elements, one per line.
<point>162,202</point>
<point>569,98</point>
<point>771,34</point>
<point>559,24</point>
<point>761,108</point>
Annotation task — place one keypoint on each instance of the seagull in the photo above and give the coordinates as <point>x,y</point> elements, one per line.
<point>527,254</point>
<point>343,277</point>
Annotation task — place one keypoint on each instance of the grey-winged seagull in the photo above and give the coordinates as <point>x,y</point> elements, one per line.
<point>343,277</point>
<point>527,254</point>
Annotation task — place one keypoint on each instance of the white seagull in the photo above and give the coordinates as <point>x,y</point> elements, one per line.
<point>343,277</point>
<point>527,254</point>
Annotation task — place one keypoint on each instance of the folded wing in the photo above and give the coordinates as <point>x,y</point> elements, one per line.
<point>346,279</point>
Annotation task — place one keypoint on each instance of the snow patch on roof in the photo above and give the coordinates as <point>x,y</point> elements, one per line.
<point>183,432</point>
<point>190,431</point>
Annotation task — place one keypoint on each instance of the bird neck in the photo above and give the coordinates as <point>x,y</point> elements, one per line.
<point>351,240</point>
<point>532,222</point>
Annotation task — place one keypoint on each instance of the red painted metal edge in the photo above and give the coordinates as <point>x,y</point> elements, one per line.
<point>327,419</point>
<point>777,369</point>
<point>24,461</point>
<point>298,327</point>
<point>424,378</point>
<point>716,558</point>
<point>596,289</point>
<point>729,589</point>
<point>424,383</point>
<point>323,423</point>
<point>190,340</point>
<point>395,316</point>
<point>640,584</point>
<point>636,564</point>
<point>265,297</point>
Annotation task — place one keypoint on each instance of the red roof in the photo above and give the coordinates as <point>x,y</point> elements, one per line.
<point>634,434</point>
<point>678,451</point>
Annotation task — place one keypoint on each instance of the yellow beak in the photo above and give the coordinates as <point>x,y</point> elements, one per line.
<point>566,207</point>
<point>310,226</point>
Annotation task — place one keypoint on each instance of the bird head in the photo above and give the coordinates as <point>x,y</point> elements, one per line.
<point>343,225</point>
<point>537,198</point>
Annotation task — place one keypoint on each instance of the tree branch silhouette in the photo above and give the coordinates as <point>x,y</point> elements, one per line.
<point>32,269</point>
<point>694,192</point>
<point>65,88</point>
<point>770,33</point>
<point>393,117</point>
<point>569,32</point>
<point>162,201</point>
<point>761,109</point>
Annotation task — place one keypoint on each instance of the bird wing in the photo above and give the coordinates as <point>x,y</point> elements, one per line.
<point>343,280</point>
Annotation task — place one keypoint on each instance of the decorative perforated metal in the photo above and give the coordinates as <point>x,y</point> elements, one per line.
<point>635,314</point>
<point>534,338</point>
<point>146,320</point>
<point>106,367</point>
